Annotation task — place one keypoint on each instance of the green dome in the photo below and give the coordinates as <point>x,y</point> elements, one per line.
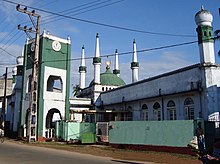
<point>109,79</point>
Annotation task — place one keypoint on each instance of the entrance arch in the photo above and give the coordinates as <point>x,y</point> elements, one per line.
<point>52,116</point>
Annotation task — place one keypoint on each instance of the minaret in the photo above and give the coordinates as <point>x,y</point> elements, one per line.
<point>116,71</point>
<point>204,29</point>
<point>82,70</point>
<point>97,62</point>
<point>134,63</point>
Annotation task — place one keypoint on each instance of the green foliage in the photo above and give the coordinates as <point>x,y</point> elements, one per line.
<point>76,90</point>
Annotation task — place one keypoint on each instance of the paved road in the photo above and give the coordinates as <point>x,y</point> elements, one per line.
<point>14,153</point>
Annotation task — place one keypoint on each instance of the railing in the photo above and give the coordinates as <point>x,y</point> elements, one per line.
<point>50,133</point>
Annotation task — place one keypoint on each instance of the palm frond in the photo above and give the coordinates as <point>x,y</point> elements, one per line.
<point>217,32</point>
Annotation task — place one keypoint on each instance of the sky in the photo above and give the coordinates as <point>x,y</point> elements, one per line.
<point>164,23</point>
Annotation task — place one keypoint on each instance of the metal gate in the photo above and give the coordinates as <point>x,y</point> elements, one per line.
<point>102,132</point>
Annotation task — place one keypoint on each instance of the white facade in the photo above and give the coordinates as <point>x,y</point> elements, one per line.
<point>176,86</point>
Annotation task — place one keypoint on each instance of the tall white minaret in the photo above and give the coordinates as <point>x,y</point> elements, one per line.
<point>134,63</point>
<point>82,70</point>
<point>204,30</point>
<point>97,62</point>
<point>116,71</point>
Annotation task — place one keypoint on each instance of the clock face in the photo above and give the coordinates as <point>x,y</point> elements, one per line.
<point>56,45</point>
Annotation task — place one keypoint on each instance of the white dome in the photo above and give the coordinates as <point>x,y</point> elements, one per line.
<point>203,17</point>
<point>20,60</point>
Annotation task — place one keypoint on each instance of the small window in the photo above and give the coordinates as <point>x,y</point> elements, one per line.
<point>189,109</point>
<point>144,106</point>
<point>157,112</point>
<point>54,84</point>
<point>144,112</point>
<point>171,109</point>
<point>188,101</point>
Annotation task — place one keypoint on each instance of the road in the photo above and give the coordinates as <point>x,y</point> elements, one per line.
<point>15,153</point>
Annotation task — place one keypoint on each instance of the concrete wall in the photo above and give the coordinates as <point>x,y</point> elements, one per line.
<point>157,133</point>
<point>73,130</point>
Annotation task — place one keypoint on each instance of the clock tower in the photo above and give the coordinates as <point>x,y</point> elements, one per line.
<point>53,84</point>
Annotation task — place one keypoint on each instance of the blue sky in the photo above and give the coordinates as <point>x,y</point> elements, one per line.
<point>158,16</point>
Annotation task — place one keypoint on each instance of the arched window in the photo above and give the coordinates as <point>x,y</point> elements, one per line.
<point>189,109</point>
<point>54,84</point>
<point>144,112</point>
<point>157,111</point>
<point>129,115</point>
<point>171,109</point>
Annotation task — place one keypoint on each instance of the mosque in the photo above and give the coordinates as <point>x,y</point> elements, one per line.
<point>187,93</point>
<point>184,94</point>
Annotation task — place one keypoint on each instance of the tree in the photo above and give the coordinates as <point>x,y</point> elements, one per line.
<point>76,90</point>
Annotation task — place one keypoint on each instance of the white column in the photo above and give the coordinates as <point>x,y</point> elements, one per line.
<point>97,62</point>
<point>116,71</point>
<point>82,70</point>
<point>134,64</point>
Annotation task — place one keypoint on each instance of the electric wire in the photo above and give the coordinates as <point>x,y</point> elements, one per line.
<point>10,39</point>
<point>62,11</point>
<point>81,12</point>
<point>7,52</point>
<point>77,7</point>
<point>130,52</point>
<point>101,24</point>
<point>6,36</point>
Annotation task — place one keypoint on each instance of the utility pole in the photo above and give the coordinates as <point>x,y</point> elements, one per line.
<point>4,100</point>
<point>33,104</point>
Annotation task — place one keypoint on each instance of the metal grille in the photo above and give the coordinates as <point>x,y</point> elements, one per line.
<point>102,132</point>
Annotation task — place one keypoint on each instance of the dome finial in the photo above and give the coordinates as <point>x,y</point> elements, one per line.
<point>202,7</point>
<point>108,63</point>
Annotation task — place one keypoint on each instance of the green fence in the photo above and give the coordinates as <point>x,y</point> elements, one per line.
<point>160,133</point>
<point>69,131</point>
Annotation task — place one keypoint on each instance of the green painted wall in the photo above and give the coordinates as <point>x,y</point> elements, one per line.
<point>67,102</point>
<point>74,131</point>
<point>161,133</point>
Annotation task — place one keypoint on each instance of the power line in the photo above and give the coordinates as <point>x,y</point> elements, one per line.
<point>83,5</point>
<point>49,17</point>
<point>130,52</point>
<point>13,29</point>
<point>8,52</point>
<point>78,10</point>
<point>99,7</point>
<point>102,24</point>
